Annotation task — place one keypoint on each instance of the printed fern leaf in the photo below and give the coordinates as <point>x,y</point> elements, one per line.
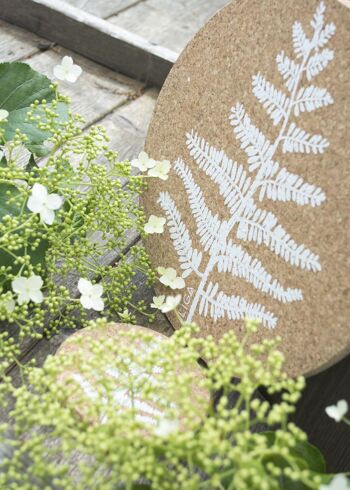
<point>189,257</point>
<point>216,305</point>
<point>286,186</point>
<point>311,98</point>
<point>253,142</point>
<point>318,62</point>
<point>273,100</point>
<point>300,42</point>
<point>238,262</point>
<point>231,178</point>
<point>289,70</point>
<point>325,35</point>
<point>261,226</point>
<point>299,141</point>
<point>208,225</point>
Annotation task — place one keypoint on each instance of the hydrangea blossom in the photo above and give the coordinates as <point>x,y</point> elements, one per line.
<point>143,162</point>
<point>166,304</point>
<point>169,277</point>
<point>160,170</point>
<point>154,224</point>
<point>43,203</point>
<point>337,411</point>
<point>90,295</point>
<point>28,289</point>
<point>67,70</point>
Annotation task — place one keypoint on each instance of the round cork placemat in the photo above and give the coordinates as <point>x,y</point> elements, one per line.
<point>127,375</point>
<point>254,118</point>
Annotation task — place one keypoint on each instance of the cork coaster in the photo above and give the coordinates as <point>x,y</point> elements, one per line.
<point>255,120</point>
<point>129,372</point>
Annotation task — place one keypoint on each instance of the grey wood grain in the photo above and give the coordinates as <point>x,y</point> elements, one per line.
<point>92,37</point>
<point>97,92</point>
<point>168,23</point>
<point>103,8</point>
<point>16,44</point>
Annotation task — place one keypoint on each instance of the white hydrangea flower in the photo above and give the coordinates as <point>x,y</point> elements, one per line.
<point>169,277</point>
<point>90,295</point>
<point>160,170</point>
<point>338,411</point>
<point>339,482</point>
<point>67,70</point>
<point>166,427</point>
<point>4,114</point>
<point>171,303</point>
<point>28,289</point>
<point>158,302</point>
<point>143,162</point>
<point>43,203</point>
<point>154,224</point>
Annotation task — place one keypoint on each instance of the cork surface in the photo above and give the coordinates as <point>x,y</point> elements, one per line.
<point>296,268</point>
<point>150,412</point>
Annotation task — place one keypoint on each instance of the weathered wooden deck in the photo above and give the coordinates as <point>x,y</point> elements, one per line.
<point>124,106</point>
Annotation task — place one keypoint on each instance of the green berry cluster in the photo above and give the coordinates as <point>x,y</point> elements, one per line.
<point>63,438</point>
<point>97,220</point>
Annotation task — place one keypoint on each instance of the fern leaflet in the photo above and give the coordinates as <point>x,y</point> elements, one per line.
<point>229,175</point>
<point>274,101</point>
<point>253,142</point>
<point>219,305</point>
<point>318,62</point>
<point>311,98</point>
<point>208,225</point>
<point>261,226</point>
<point>237,261</point>
<point>286,186</point>
<point>299,141</point>
<point>189,257</point>
<point>289,70</point>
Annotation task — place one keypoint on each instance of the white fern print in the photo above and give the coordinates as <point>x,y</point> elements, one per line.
<point>242,189</point>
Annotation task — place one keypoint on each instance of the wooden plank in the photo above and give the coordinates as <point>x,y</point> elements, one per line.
<point>98,91</point>
<point>127,126</point>
<point>92,37</point>
<point>168,23</point>
<point>103,8</point>
<point>16,44</point>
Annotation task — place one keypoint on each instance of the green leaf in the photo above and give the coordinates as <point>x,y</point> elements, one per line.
<point>6,208</point>
<point>20,86</point>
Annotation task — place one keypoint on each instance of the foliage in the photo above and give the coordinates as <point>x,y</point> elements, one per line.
<point>212,446</point>
<point>95,210</point>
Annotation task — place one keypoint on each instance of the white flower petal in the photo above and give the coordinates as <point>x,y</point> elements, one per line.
<point>158,301</point>
<point>67,62</point>
<point>39,191</point>
<point>23,297</point>
<point>178,283</point>
<point>36,296</point>
<point>59,72</point>
<point>97,304</point>
<point>9,305</point>
<point>73,74</point>
<point>86,301</point>
<point>84,286</point>
<point>47,216</point>
<point>54,201</point>
<point>339,482</point>
<point>34,205</point>
<point>97,290</point>
<point>19,284</point>
<point>34,282</point>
